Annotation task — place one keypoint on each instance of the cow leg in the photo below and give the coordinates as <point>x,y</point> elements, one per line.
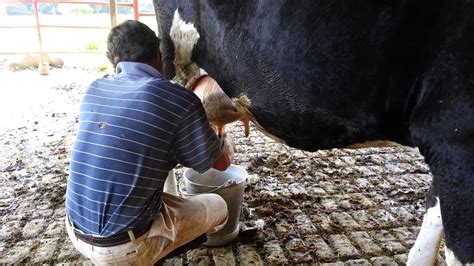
<point>425,250</point>
<point>442,126</point>
<point>459,213</point>
<point>450,157</point>
<point>451,259</point>
<point>452,164</point>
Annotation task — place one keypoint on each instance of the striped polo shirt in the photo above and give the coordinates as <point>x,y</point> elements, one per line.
<point>134,127</point>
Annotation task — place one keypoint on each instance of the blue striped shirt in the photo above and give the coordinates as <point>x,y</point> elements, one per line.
<point>134,127</point>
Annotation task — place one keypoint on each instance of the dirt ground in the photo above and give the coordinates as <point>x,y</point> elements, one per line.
<point>349,207</point>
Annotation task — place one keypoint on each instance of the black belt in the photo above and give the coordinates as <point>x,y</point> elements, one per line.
<point>114,240</point>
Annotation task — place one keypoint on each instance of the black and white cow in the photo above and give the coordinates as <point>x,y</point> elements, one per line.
<point>331,73</point>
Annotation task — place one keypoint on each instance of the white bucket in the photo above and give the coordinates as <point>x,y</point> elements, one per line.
<point>230,185</point>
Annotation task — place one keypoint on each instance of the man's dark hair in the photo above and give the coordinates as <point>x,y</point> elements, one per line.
<point>132,41</point>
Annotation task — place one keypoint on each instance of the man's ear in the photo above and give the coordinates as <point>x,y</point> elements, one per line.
<point>156,63</point>
<point>159,63</point>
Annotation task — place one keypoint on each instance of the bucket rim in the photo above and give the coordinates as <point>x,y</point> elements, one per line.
<point>197,184</point>
<point>213,186</point>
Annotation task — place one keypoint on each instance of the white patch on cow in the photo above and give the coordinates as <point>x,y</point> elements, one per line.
<point>184,36</point>
<point>451,259</point>
<point>425,250</point>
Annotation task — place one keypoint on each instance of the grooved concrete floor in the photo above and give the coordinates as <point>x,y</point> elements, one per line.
<point>331,207</point>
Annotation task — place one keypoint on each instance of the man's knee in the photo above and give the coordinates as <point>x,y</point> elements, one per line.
<point>216,202</point>
<point>216,210</point>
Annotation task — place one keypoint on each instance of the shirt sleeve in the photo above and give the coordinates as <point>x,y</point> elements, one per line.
<point>195,144</point>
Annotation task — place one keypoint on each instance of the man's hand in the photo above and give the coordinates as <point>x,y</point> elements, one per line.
<point>228,156</point>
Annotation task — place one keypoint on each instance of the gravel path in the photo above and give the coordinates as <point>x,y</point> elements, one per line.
<point>353,207</point>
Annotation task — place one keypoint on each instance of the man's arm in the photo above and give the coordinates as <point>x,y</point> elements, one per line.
<point>196,145</point>
<point>199,85</point>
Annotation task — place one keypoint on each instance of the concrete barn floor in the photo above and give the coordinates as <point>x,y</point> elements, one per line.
<point>331,207</point>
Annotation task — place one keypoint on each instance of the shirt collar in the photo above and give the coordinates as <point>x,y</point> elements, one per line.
<point>135,68</point>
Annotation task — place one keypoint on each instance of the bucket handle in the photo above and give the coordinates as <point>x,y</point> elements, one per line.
<point>183,191</point>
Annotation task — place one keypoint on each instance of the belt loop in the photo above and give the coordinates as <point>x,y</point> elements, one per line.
<point>131,235</point>
<point>71,225</point>
<point>70,222</point>
<point>132,238</point>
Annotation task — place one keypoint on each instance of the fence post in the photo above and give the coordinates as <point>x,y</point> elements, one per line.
<point>113,13</point>
<point>43,65</point>
<point>135,9</point>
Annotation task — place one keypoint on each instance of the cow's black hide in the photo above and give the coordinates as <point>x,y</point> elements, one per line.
<point>319,75</point>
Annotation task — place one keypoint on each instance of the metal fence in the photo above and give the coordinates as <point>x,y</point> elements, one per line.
<point>38,7</point>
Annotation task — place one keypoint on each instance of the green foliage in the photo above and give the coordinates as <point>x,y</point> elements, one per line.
<point>104,68</point>
<point>91,46</point>
<point>81,11</point>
